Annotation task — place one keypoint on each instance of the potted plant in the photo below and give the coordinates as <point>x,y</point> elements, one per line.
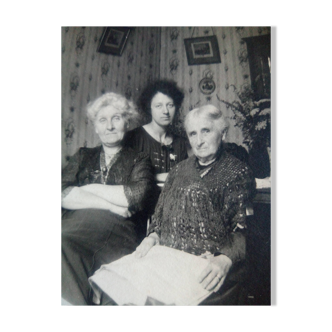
<point>254,119</point>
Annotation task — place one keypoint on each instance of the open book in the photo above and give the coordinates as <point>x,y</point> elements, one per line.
<point>164,274</point>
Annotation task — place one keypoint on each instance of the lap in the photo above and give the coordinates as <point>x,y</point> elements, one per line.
<point>90,229</point>
<point>91,238</point>
<point>232,292</point>
<point>96,237</point>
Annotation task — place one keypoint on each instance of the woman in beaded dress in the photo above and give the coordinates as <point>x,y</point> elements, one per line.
<point>106,196</point>
<point>160,101</point>
<point>202,208</point>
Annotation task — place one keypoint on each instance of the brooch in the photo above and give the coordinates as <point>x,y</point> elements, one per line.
<point>172,156</point>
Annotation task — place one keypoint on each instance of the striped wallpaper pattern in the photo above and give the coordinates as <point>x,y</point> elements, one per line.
<point>150,53</point>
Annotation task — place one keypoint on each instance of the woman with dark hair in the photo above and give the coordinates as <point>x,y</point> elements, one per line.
<point>160,102</point>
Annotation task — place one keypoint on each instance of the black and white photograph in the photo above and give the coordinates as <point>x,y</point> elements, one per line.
<point>114,37</point>
<point>114,40</point>
<point>166,167</point>
<point>202,50</point>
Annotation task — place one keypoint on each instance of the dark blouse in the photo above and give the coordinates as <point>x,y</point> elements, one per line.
<point>163,157</point>
<point>132,170</point>
<point>203,210</point>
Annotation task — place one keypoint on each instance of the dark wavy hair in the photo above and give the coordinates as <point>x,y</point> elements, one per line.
<point>167,87</point>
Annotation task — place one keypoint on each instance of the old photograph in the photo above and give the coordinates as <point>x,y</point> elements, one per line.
<point>166,166</point>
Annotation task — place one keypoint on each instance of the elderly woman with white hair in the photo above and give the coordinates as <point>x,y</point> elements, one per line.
<point>106,195</point>
<point>202,207</point>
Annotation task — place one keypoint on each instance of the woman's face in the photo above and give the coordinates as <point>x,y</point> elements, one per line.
<point>110,126</point>
<point>204,137</point>
<point>162,109</point>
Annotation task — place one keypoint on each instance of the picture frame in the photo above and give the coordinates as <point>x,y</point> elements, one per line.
<point>113,40</point>
<point>202,50</point>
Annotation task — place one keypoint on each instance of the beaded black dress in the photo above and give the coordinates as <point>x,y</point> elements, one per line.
<point>163,157</point>
<point>204,209</point>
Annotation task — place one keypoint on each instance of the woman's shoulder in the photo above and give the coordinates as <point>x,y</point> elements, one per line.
<point>184,166</point>
<point>233,166</point>
<point>135,137</point>
<point>133,156</point>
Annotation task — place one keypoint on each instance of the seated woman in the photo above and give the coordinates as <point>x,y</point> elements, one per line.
<point>106,192</point>
<point>160,101</point>
<point>202,207</point>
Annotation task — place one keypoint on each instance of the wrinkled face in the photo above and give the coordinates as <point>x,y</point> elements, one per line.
<point>162,109</point>
<point>110,126</point>
<point>204,137</point>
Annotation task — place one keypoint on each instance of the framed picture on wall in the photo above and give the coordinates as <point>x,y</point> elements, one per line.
<point>202,50</point>
<point>113,40</point>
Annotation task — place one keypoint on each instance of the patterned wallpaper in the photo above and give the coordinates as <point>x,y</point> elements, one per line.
<point>233,71</point>
<point>150,53</point>
<point>87,74</point>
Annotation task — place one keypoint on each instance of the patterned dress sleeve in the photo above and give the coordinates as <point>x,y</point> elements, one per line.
<point>158,214</point>
<point>141,188</point>
<point>238,196</point>
<point>69,174</point>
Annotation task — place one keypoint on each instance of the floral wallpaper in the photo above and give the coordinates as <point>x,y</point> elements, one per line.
<point>150,53</point>
<point>87,74</point>
<point>232,73</point>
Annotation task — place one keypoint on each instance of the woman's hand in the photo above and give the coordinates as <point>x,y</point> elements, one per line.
<point>146,245</point>
<point>213,276</point>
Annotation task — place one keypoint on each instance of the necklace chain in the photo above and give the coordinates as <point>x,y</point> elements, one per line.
<point>110,156</point>
<point>104,167</point>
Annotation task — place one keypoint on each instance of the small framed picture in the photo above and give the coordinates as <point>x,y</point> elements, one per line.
<point>207,86</point>
<point>202,50</point>
<point>113,40</point>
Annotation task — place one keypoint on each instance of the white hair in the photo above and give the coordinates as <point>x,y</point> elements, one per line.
<point>125,107</point>
<point>210,112</point>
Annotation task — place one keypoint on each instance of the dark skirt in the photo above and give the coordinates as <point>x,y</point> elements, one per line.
<point>91,238</point>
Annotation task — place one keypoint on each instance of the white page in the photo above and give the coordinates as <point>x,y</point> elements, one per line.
<point>165,274</point>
